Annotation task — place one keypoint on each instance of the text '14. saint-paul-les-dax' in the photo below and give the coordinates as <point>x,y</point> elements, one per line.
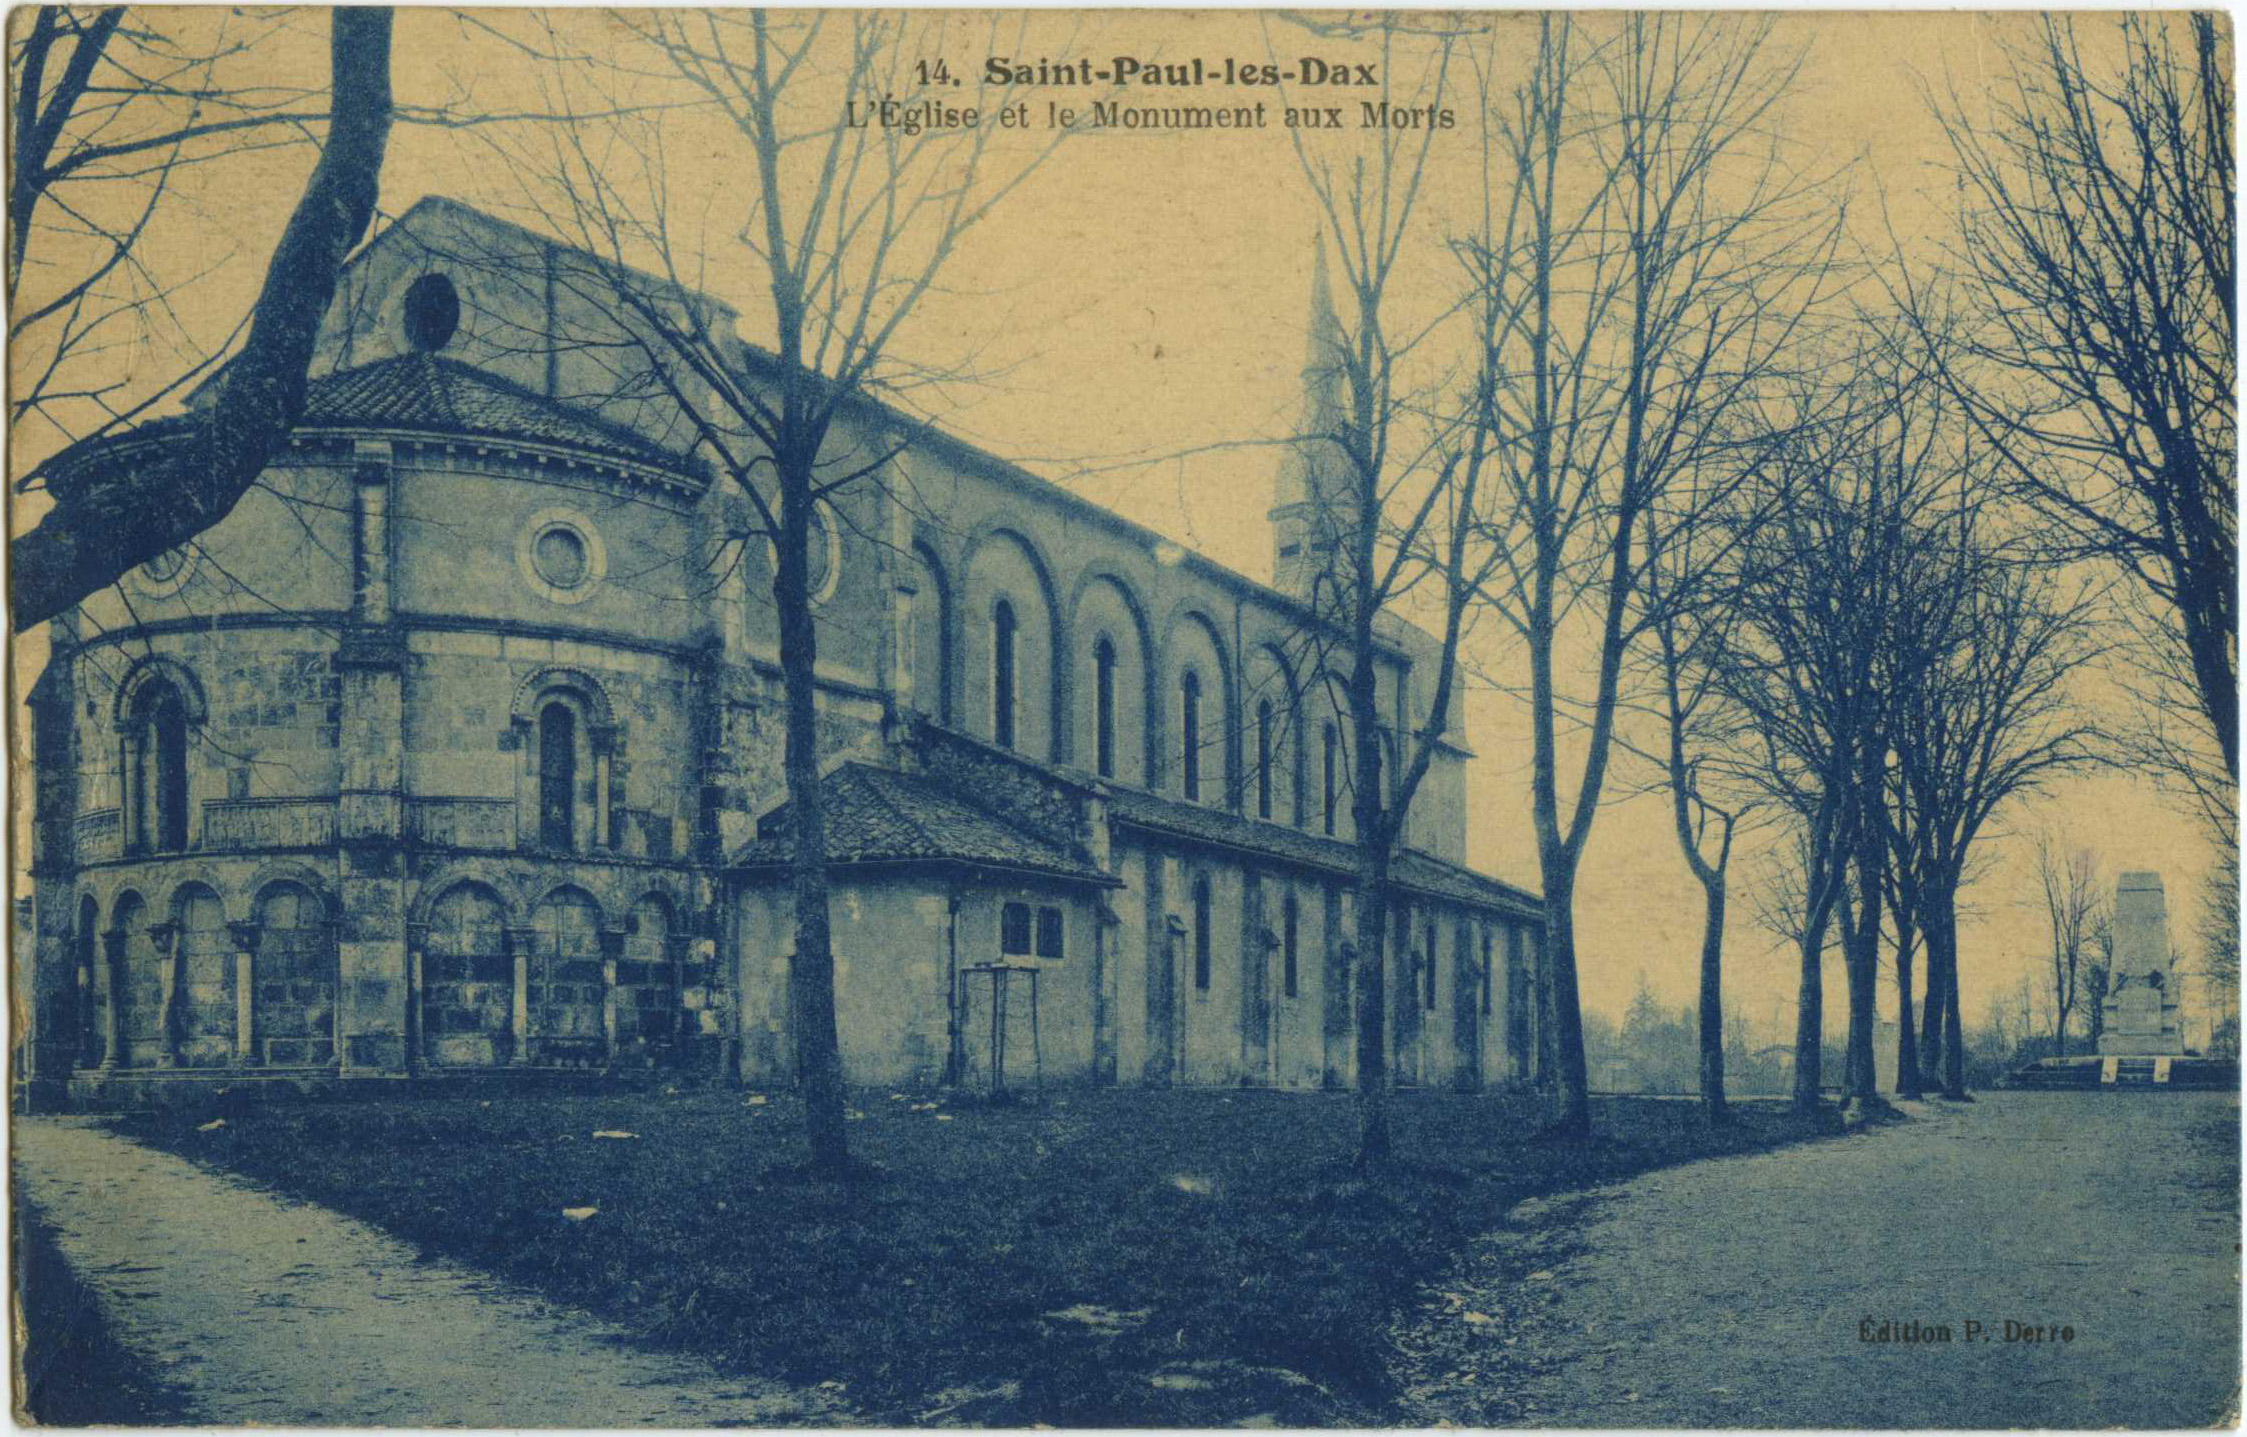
<point>1124,71</point>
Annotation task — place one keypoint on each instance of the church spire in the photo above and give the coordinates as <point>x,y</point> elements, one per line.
<point>1310,494</point>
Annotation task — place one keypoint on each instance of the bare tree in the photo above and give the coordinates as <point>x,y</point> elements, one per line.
<point>118,502</point>
<point>1662,258</point>
<point>846,228</point>
<point>1690,620</point>
<point>2095,257</point>
<point>2068,884</point>
<point>1405,527</point>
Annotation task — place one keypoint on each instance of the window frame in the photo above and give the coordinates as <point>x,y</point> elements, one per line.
<point>1005,675</point>
<point>1011,912</point>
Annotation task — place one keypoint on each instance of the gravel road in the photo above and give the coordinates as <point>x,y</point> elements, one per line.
<point>1745,1292</point>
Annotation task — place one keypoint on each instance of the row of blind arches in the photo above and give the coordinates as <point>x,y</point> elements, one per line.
<point>129,1012</point>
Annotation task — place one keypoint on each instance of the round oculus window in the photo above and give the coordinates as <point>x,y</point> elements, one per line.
<point>432,312</point>
<point>561,556</point>
<point>558,554</point>
<point>823,554</point>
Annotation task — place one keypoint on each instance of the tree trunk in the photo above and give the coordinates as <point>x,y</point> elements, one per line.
<point>811,973</point>
<point>113,513</point>
<point>1907,1044</point>
<point>1810,1017</point>
<point>1712,1003</point>
<point>1931,1017</point>
<point>1574,1115</point>
<point>1954,1041</point>
<point>1864,976</point>
<point>1371,902</point>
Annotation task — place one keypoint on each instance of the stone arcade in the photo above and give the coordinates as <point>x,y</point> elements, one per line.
<point>455,751</point>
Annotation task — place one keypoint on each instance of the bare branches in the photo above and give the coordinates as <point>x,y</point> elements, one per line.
<point>2095,320</point>
<point>121,504</point>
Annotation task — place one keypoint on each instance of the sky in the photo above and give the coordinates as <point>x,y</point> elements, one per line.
<point>1139,304</point>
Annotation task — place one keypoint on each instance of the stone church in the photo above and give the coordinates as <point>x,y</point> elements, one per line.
<point>455,751</point>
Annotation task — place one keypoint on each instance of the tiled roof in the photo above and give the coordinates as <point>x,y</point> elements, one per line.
<point>1410,870</point>
<point>878,815</point>
<point>428,394</point>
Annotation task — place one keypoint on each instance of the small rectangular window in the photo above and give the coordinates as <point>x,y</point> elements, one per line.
<point>1014,929</point>
<point>1049,933</point>
<point>1289,551</point>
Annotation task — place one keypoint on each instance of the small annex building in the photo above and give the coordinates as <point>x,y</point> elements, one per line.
<point>455,751</point>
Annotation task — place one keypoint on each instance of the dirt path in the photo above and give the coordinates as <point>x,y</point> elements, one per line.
<point>1740,1292</point>
<point>262,1310</point>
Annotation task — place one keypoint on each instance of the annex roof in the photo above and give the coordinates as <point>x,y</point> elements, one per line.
<point>879,815</point>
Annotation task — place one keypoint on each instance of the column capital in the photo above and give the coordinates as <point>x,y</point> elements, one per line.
<point>245,934</point>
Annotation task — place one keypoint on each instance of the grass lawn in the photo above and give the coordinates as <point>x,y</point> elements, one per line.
<point>1215,1243</point>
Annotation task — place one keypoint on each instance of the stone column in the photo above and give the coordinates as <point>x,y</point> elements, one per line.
<point>245,936</point>
<point>612,951</point>
<point>164,937</point>
<point>520,943</point>
<point>113,1013</point>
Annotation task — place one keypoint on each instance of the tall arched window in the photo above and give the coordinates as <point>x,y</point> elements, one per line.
<point>1190,733</point>
<point>1485,1005</point>
<point>1201,935</point>
<point>206,1010</point>
<point>1002,674</point>
<point>557,776</point>
<point>1333,744</point>
<point>568,986</point>
<point>293,979</point>
<point>1289,975</point>
<point>1430,976</point>
<point>647,1010</point>
<point>1104,707</point>
<point>467,980</point>
<point>156,797</point>
<point>1264,758</point>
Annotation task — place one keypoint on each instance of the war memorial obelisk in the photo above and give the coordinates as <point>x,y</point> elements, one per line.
<point>2140,1017</point>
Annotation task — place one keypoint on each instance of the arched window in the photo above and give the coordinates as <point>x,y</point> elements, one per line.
<point>293,979</point>
<point>1190,733</point>
<point>1333,745</point>
<point>156,781</point>
<point>467,980</point>
<point>137,990</point>
<point>1485,973</point>
<point>1201,935</point>
<point>1002,674</point>
<point>207,1013</point>
<point>1430,976</point>
<point>1104,706</point>
<point>557,777</point>
<point>1289,977</point>
<point>568,985</point>
<point>647,1002</point>
<point>1264,758</point>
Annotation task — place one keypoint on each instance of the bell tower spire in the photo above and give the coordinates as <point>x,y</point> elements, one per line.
<point>1310,498</point>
